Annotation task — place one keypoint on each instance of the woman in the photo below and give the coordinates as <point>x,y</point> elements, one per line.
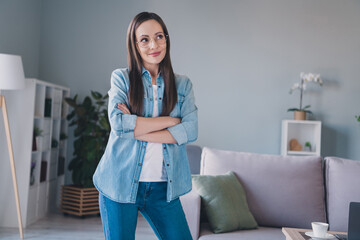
<point>153,116</point>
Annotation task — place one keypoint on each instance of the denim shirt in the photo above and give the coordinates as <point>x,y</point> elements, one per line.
<point>118,172</point>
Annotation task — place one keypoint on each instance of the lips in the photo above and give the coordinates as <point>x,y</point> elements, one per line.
<point>155,54</point>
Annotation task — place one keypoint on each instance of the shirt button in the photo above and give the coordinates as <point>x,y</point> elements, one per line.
<point>139,163</point>
<point>170,181</point>
<point>164,147</point>
<point>149,85</point>
<point>135,181</point>
<point>159,86</point>
<point>160,98</point>
<point>167,164</point>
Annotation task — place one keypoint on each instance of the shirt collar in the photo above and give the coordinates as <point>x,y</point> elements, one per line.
<point>143,71</point>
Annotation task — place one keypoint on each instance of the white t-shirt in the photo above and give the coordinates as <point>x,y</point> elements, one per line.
<point>153,169</point>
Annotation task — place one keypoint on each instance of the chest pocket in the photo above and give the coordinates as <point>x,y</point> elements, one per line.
<point>176,111</point>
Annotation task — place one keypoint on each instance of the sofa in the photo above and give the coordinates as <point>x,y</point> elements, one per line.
<point>281,191</point>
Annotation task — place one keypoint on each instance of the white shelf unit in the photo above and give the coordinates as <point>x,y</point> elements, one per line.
<point>302,131</point>
<point>41,167</point>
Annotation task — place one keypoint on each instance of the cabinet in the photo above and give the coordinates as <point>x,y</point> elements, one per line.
<point>40,161</point>
<point>304,132</point>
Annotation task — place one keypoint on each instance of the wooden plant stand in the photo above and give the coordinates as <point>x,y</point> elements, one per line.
<point>79,201</point>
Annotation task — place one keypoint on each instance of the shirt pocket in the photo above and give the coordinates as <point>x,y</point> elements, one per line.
<point>176,112</point>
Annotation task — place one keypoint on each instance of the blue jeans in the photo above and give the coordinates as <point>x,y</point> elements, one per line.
<point>167,219</point>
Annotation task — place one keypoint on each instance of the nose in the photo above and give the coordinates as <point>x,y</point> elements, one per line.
<point>153,43</point>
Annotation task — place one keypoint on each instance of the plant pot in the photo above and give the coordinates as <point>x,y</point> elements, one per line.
<point>299,115</point>
<point>79,201</point>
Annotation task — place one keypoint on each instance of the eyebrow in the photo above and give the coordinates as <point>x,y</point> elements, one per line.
<point>144,35</point>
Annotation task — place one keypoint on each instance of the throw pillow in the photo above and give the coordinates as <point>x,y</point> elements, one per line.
<point>225,202</point>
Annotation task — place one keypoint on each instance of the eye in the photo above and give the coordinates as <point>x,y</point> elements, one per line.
<point>144,40</point>
<point>160,36</point>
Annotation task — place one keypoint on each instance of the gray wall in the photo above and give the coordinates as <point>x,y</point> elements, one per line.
<point>20,32</point>
<point>242,56</point>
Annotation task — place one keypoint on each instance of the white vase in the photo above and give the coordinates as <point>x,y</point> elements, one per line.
<point>39,142</point>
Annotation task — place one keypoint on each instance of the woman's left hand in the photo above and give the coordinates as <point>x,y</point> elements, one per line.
<point>123,108</point>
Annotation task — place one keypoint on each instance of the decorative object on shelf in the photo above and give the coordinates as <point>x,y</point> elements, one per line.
<point>79,201</point>
<point>37,144</point>
<point>43,171</point>
<point>11,78</point>
<point>91,133</point>
<point>32,174</point>
<point>302,131</point>
<point>54,143</point>
<point>308,146</point>
<point>47,111</point>
<point>295,145</point>
<point>300,113</point>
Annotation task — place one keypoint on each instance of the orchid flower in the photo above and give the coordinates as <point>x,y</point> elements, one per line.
<point>304,78</point>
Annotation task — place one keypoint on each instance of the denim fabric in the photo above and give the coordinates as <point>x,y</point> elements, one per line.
<point>167,219</point>
<point>117,174</point>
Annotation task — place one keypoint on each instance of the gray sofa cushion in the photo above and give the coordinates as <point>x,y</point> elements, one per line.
<point>342,187</point>
<point>281,191</point>
<point>261,233</point>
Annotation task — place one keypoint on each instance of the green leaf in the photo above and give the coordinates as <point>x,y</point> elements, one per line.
<point>71,102</point>
<point>293,109</point>
<point>70,115</point>
<point>96,95</point>
<point>307,106</point>
<point>91,132</point>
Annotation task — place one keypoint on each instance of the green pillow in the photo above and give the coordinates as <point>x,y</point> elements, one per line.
<point>225,202</point>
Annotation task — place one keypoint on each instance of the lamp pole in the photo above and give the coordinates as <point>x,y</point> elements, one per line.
<point>12,162</point>
<point>11,78</point>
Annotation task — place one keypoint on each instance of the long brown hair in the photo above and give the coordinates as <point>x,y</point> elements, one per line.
<point>136,89</point>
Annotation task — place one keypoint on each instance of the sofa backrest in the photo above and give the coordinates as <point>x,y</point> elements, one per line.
<point>281,191</point>
<point>342,187</point>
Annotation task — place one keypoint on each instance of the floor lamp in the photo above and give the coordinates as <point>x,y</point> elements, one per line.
<point>11,78</point>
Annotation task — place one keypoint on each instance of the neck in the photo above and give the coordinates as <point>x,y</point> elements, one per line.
<point>153,69</point>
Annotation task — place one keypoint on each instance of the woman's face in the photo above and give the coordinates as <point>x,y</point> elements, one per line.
<point>151,43</point>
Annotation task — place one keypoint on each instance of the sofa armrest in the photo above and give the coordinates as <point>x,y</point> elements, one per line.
<point>191,204</point>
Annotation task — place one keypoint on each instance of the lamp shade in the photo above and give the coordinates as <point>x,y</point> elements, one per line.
<point>11,72</point>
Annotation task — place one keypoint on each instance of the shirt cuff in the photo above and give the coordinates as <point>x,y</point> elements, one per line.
<point>128,122</point>
<point>179,133</point>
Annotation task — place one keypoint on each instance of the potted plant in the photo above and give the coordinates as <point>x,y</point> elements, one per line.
<point>37,139</point>
<point>300,113</point>
<point>91,133</point>
<point>358,118</point>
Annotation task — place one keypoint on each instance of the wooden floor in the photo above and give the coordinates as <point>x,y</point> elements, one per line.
<point>59,227</point>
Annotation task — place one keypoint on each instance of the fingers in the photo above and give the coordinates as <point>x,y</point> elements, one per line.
<point>123,108</point>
